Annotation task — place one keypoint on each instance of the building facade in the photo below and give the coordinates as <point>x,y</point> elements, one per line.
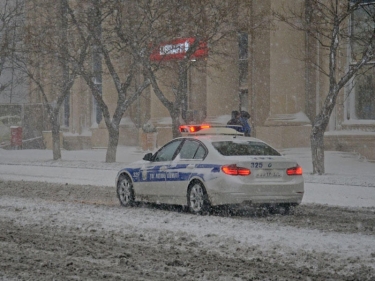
<point>265,72</point>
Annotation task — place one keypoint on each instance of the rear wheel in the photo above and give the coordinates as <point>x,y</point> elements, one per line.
<point>125,191</point>
<point>197,199</point>
<point>288,209</point>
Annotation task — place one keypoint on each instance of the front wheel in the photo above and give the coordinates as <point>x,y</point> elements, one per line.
<point>125,191</point>
<point>197,199</point>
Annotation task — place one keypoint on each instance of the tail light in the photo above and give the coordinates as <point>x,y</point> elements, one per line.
<point>235,171</point>
<point>295,171</point>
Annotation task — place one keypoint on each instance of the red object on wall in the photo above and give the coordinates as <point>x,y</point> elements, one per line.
<point>176,50</point>
<point>16,136</point>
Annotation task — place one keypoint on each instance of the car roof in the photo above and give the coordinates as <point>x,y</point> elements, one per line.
<point>212,138</point>
<point>219,131</point>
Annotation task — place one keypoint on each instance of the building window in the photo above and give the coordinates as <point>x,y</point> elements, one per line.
<point>362,26</point>
<point>362,1</point>
<point>364,87</point>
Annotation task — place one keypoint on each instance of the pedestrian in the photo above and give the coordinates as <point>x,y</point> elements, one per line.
<point>235,119</point>
<point>244,117</point>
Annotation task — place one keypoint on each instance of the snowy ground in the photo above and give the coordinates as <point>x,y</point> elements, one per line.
<point>63,222</point>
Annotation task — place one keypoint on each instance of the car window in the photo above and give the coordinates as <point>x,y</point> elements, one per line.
<point>201,153</point>
<point>188,150</point>
<point>167,152</point>
<point>231,148</point>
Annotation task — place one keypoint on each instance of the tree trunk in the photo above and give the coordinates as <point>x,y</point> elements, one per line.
<point>318,129</point>
<point>55,138</point>
<point>317,150</point>
<point>175,114</point>
<point>113,133</point>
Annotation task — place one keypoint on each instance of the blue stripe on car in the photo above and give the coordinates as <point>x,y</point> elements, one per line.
<point>138,175</point>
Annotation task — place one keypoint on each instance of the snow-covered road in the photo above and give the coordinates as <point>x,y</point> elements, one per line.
<point>61,220</point>
<point>71,175</point>
<point>73,232</point>
<point>320,193</point>
<point>349,181</point>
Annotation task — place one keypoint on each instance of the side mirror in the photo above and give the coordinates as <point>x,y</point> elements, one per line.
<point>148,157</point>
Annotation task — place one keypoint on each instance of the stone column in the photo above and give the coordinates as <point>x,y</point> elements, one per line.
<point>286,124</point>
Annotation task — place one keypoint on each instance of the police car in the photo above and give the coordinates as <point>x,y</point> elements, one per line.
<point>210,166</point>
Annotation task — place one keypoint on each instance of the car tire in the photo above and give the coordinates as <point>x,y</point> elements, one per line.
<point>197,199</point>
<point>125,191</point>
<point>289,209</point>
<point>282,209</point>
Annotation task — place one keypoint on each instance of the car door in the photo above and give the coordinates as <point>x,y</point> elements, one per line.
<point>180,170</point>
<point>153,173</point>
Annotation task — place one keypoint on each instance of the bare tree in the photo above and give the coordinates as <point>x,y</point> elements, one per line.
<point>156,22</point>
<point>97,20</point>
<point>327,22</point>
<point>11,20</point>
<point>50,60</point>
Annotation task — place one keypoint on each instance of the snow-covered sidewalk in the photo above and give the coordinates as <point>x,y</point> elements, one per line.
<point>349,179</point>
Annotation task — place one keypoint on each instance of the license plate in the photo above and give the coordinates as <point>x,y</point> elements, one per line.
<point>268,174</point>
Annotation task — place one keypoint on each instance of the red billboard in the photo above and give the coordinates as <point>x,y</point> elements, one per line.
<point>176,50</point>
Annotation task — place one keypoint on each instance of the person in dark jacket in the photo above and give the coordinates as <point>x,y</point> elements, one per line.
<point>244,117</point>
<point>235,119</point>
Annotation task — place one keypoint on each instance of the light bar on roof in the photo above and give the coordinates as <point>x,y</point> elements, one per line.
<point>193,128</point>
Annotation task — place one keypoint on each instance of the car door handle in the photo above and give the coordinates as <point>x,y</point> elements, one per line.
<point>190,166</point>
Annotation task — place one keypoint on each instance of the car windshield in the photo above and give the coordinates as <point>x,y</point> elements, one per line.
<point>231,148</point>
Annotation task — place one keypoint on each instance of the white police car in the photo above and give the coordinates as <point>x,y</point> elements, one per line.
<point>213,166</point>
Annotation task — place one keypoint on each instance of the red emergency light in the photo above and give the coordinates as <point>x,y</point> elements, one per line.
<point>193,128</point>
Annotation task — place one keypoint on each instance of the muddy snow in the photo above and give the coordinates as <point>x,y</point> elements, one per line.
<point>51,231</point>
